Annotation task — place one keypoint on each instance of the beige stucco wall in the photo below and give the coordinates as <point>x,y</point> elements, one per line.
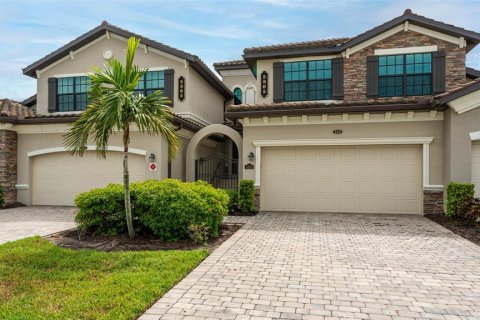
<point>38,137</point>
<point>352,130</point>
<point>205,102</point>
<point>234,79</point>
<point>458,145</point>
<point>201,99</point>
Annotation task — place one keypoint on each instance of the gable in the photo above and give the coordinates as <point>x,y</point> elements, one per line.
<point>108,32</point>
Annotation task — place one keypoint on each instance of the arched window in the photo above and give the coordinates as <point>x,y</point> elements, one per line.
<point>237,99</point>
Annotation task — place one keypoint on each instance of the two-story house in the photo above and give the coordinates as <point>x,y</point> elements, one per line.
<point>37,170</point>
<point>377,123</point>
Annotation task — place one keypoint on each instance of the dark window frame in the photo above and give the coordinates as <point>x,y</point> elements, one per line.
<point>404,75</point>
<point>74,93</point>
<point>146,91</point>
<point>308,81</point>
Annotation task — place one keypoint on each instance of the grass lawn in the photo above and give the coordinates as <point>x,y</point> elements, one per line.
<point>39,280</point>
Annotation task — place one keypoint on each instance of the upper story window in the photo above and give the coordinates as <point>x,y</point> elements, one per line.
<point>150,82</point>
<point>237,96</point>
<point>405,75</point>
<point>308,80</point>
<point>72,93</point>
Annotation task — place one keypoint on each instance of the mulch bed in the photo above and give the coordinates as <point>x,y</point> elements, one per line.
<point>75,240</point>
<point>464,228</point>
<point>12,205</point>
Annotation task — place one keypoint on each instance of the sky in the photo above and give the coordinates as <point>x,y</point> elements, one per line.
<point>212,29</point>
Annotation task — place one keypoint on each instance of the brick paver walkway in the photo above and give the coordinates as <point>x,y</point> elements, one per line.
<point>332,266</point>
<point>25,222</point>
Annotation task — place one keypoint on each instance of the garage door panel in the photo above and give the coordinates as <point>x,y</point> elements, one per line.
<point>59,177</point>
<point>343,179</point>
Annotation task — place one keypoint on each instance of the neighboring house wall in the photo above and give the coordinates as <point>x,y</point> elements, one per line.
<point>8,162</point>
<point>458,145</point>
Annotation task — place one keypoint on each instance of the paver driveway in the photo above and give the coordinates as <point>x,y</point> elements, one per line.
<point>24,222</point>
<point>332,266</point>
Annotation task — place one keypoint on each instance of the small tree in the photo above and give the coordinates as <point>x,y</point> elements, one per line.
<point>113,107</point>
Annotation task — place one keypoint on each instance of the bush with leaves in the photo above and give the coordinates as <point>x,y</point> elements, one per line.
<point>246,195</point>
<point>458,197</point>
<point>233,200</point>
<point>102,210</point>
<point>2,197</point>
<point>164,208</point>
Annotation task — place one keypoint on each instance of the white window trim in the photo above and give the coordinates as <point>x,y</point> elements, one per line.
<point>475,136</point>
<point>69,75</point>
<point>424,141</point>
<point>385,52</point>
<point>89,147</point>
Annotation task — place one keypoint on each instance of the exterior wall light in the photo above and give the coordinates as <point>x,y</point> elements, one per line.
<point>251,156</point>
<point>151,157</point>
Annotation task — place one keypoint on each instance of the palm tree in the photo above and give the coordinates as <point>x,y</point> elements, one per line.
<point>113,107</point>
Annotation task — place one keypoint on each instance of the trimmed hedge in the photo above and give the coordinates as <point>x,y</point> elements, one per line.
<point>246,195</point>
<point>2,197</point>
<point>164,208</point>
<point>459,195</point>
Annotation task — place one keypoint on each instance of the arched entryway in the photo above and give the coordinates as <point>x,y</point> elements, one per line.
<point>213,129</point>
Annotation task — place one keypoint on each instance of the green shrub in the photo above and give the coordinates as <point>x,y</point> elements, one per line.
<point>233,200</point>
<point>459,195</point>
<point>102,210</point>
<point>2,197</point>
<point>165,208</point>
<point>246,195</point>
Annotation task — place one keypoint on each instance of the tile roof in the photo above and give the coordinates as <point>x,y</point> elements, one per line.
<point>14,110</point>
<point>338,45</point>
<point>324,43</point>
<point>230,65</point>
<point>317,104</point>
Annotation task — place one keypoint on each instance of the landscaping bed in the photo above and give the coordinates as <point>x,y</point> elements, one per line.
<point>39,280</point>
<point>465,228</point>
<point>77,240</point>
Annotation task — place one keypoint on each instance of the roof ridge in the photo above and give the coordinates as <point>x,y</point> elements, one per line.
<point>338,39</point>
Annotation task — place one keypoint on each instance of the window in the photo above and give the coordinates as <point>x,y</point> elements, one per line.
<point>72,93</point>
<point>405,75</point>
<point>308,80</point>
<point>150,82</point>
<point>237,96</point>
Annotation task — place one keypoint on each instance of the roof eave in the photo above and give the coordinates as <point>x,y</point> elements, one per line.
<point>458,94</point>
<point>328,110</point>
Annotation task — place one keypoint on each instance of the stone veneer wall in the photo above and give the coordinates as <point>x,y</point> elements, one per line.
<point>433,202</point>
<point>356,65</point>
<point>8,164</point>
<point>256,200</point>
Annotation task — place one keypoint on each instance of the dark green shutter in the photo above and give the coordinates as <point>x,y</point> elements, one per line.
<point>169,85</point>
<point>278,85</point>
<point>52,94</point>
<point>372,76</point>
<point>337,78</point>
<point>438,72</point>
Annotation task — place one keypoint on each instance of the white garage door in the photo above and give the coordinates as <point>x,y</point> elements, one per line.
<point>367,179</point>
<point>59,177</point>
<point>476,167</point>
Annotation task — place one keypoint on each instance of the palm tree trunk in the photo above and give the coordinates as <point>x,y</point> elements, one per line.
<point>126,185</point>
